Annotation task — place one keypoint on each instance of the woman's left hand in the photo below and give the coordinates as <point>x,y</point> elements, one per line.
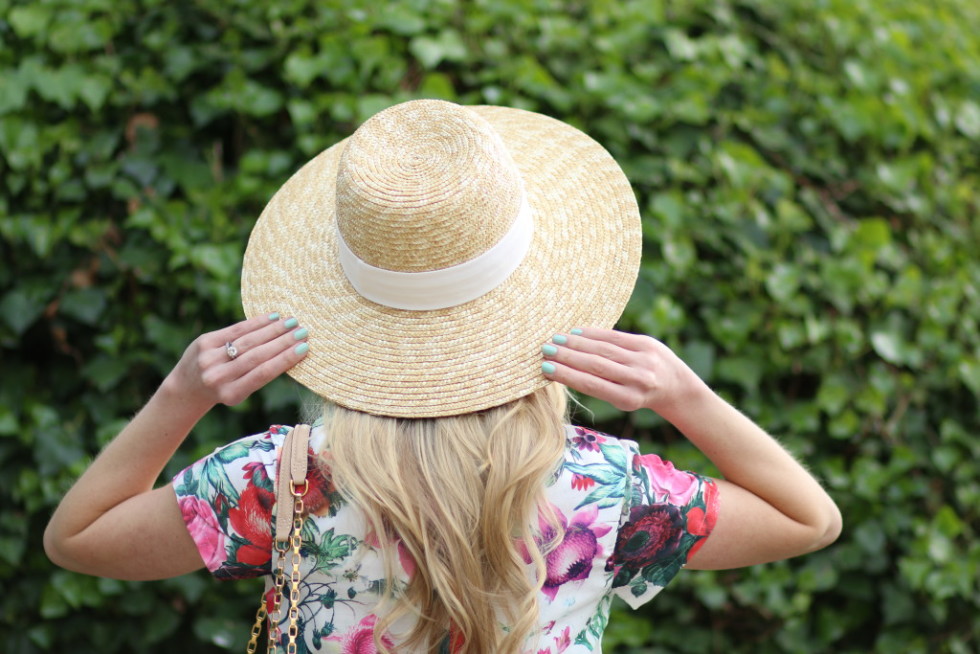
<point>630,371</point>
<point>228,365</point>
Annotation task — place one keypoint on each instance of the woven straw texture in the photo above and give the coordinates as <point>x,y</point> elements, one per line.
<point>425,185</point>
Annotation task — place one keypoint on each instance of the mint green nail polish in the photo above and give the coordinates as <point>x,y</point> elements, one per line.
<point>559,339</point>
<point>300,334</point>
<point>548,368</point>
<point>550,350</point>
<point>274,315</point>
<point>302,348</point>
<point>290,323</point>
<point>577,331</point>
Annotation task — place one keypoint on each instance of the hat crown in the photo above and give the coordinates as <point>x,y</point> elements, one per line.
<point>425,185</point>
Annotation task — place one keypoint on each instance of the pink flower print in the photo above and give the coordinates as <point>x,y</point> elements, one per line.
<point>666,483</point>
<point>360,639</point>
<point>404,556</point>
<point>587,439</point>
<point>202,524</point>
<point>572,559</point>
<point>563,642</point>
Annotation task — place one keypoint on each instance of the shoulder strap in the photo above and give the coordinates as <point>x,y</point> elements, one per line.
<point>292,472</point>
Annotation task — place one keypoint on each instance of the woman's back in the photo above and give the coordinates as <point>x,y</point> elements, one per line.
<point>626,521</point>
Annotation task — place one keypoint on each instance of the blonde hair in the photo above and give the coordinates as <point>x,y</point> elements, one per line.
<point>463,494</point>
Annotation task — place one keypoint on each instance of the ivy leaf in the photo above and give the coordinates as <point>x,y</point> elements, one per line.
<point>447,46</point>
<point>30,20</point>
<point>969,373</point>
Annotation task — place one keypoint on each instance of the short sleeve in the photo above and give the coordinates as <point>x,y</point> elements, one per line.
<point>226,500</point>
<point>666,517</point>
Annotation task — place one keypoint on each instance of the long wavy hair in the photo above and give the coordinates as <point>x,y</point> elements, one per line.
<point>464,495</point>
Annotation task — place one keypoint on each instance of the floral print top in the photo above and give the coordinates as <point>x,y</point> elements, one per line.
<point>631,522</point>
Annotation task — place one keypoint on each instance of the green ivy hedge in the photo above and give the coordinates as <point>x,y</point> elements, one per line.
<point>807,172</point>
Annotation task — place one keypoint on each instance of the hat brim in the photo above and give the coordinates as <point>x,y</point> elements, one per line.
<point>579,271</point>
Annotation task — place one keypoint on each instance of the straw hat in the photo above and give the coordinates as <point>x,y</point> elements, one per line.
<point>435,250</point>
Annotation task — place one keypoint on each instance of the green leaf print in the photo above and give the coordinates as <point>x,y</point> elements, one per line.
<point>328,551</point>
<point>661,572</point>
<point>615,455</point>
<point>213,474</point>
<point>604,496</point>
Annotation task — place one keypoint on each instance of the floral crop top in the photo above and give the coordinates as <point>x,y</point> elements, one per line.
<point>631,522</point>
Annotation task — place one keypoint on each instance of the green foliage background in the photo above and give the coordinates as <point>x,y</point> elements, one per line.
<point>807,172</point>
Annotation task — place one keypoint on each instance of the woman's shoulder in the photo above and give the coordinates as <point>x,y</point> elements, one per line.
<point>584,443</point>
<point>596,462</point>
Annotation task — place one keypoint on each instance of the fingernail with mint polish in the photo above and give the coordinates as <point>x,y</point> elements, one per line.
<point>274,315</point>
<point>576,331</point>
<point>550,350</point>
<point>290,323</point>
<point>548,368</point>
<point>560,339</point>
<point>302,348</point>
<point>300,334</point>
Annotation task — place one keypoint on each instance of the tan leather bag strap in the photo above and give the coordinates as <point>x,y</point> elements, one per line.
<point>291,486</point>
<point>292,474</point>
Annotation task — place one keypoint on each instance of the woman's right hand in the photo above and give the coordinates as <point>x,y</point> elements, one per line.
<point>266,347</point>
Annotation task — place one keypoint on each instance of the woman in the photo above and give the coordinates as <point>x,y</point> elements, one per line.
<point>430,277</point>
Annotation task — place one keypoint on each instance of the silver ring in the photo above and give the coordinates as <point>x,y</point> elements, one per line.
<point>231,350</point>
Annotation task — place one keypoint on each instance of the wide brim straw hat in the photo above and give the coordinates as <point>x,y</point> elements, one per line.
<point>433,252</point>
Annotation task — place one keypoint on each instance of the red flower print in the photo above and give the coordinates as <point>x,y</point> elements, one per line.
<point>270,600</point>
<point>220,504</point>
<point>652,533</point>
<point>252,520</point>
<point>696,524</point>
<point>321,489</point>
<point>581,482</point>
<point>711,502</point>
<point>456,638</point>
<point>699,522</point>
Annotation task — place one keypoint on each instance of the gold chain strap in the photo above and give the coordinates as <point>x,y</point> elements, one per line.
<point>295,557</point>
<point>279,584</point>
<point>260,615</point>
<point>293,548</point>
